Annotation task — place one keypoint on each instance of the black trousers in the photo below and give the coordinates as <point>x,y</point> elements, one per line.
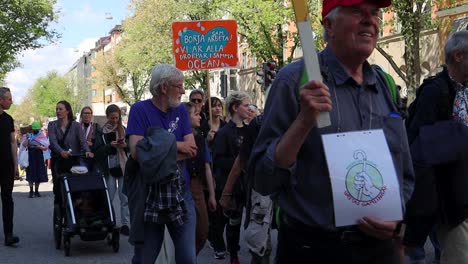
<point>60,166</point>
<point>6,187</point>
<point>300,244</point>
<point>55,181</point>
<point>232,223</point>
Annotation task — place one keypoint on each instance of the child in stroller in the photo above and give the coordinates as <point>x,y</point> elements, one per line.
<point>87,211</point>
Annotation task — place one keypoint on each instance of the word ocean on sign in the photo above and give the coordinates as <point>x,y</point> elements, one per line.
<point>201,45</point>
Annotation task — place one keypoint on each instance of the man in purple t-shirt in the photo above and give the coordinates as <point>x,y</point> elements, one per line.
<point>165,111</point>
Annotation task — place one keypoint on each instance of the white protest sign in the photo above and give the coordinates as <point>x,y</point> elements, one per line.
<point>363,178</point>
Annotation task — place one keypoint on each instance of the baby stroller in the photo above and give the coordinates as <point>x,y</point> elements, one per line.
<point>85,210</point>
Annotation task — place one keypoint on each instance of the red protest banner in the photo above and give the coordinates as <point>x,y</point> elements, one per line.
<point>205,44</point>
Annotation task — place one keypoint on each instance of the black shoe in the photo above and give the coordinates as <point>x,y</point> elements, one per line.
<point>11,240</point>
<point>124,230</point>
<point>31,194</point>
<point>37,194</point>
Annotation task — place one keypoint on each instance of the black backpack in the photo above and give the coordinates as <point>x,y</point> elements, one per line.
<point>444,103</point>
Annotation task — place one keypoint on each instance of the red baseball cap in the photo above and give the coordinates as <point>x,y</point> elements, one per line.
<point>328,5</point>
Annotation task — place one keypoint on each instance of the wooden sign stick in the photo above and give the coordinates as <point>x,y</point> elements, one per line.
<point>310,54</point>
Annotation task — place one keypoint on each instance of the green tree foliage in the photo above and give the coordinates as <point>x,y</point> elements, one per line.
<point>24,25</point>
<point>266,27</point>
<point>48,91</point>
<point>23,113</point>
<point>199,10</point>
<point>147,41</point>
<point>261,26</point>
<point>414,16</point>
<point>147,38</point>
<point>113,73</point>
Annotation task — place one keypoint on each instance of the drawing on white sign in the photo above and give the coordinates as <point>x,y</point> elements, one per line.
<point>364,182</point>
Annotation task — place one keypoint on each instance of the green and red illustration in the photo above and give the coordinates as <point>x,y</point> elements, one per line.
<point>364,182</point>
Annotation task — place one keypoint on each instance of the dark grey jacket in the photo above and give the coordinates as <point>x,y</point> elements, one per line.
<point>157,159</point>
<point>74,140</point>
<point>440,155</point>
<point>157,155</point>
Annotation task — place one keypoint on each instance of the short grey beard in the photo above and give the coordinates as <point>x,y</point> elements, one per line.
<point>173,103</point>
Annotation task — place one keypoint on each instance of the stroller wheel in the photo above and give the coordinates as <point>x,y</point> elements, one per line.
<point>115,240</point>
<point>66,246</point>
<point>57,227</point>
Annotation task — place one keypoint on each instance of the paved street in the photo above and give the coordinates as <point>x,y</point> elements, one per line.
<point>33,224</point>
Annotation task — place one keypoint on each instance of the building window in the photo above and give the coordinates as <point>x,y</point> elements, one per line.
<point>254,62</point>
<point>397,24</point>
<point>244,60</point>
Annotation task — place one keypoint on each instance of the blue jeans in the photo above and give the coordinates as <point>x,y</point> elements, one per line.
<point>182,236</point>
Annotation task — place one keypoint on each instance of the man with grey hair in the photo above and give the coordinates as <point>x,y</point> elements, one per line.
<point>197,97</point>
<point>8,165</point>
<point>439,114</point>
<point>288,157</point>
<point>163,110</point>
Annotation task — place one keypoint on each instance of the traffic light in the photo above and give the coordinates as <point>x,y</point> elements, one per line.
<point>267,74</point>
<point>224,87</point>
<point>270,72</point>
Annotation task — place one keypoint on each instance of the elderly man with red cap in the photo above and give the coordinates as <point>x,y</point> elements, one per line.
<point>288,159</point>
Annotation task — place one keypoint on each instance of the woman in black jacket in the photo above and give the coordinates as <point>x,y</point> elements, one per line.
<point>111,156</point>
<point>226,148</point>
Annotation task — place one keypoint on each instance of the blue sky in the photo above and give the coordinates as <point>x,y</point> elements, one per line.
<point>81,23</point>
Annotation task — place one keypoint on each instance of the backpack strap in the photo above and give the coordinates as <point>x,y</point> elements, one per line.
<point>390,83</point>
<point>388,79</point>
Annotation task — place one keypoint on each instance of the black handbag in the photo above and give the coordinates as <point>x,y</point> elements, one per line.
<point>116,172</point>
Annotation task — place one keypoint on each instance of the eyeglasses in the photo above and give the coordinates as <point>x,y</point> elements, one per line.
<point>196,100</point>
<point>87,113</point>
<point>178,87</point>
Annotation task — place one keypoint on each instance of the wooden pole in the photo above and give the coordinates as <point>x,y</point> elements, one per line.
<point>208,94</point>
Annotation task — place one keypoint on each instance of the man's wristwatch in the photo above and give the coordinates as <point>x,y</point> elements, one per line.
<point>399,231</point>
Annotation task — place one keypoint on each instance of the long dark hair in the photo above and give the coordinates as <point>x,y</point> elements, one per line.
<point>214,101</point>
<point>68,107</point>
<point>115,109</point>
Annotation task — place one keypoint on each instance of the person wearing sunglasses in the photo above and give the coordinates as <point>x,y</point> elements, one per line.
<point>197,97</point>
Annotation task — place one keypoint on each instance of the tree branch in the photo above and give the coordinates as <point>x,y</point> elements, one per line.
<point>393,64</point>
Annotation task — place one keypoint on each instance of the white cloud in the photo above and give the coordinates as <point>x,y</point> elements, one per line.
<point>87,45</point>
<point>37,63</point>
<point>86,15</point>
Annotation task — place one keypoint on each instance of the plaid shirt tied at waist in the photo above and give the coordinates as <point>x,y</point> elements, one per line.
<point>164,203</point>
